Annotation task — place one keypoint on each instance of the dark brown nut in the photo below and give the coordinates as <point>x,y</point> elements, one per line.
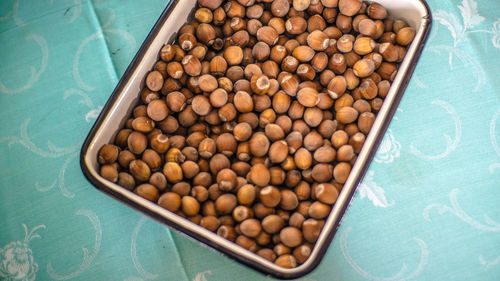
<point>147,191</point>
<point>270,196</point>
<point>173,172</point>
<point>346,115</point>
<point>121,139</point>
<point>357,140</point>
<point>280,8</point>
<point>210,222</point>
<point>242,131</point>
<point>267,35</point>
<point>109,172</point>
<point>176,101</point>
<point>108,154</point>
<point>259,144</point>
<point>286,261</point>
<point>226,178</point>
<point>405,35</point>
<point>227,232</point>
<point>313,140</point>
<point>303,53</point>
<point>341,172</point>
<point>190,206</point>
<point>289,200</point>
<point>365,122</point>
<point>272,224</point>
<point>387,71</point>
<point>225,203</point>
<point>246,243</point>
<point>205,33</point>
<point>311,229</point>
<point>308,97</point>
<point>291,236</point>
<point>124,179</point>
<point>250,228</point>
<point>168,125</point>
<point>246,194</point>
<point>170,201</point>
<point>218,162</point>
<point>154,81</point>
<point>278,151</point>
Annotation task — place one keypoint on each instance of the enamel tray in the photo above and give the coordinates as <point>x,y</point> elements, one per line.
<point>126,95</point>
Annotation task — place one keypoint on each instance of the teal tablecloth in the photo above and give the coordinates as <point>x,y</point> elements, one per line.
<point>428,209</point>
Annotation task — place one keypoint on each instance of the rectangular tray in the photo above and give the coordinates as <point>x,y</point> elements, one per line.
<point>126,96</point>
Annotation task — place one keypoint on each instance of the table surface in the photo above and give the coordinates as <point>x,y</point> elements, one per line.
<point>428,208</point>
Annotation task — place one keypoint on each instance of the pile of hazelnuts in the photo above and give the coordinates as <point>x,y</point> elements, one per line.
<point>249,124</point>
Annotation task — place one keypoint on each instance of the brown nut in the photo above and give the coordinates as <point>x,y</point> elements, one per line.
<point>259,175</point>
<point>170,201</point>
<point>250,227</point>
<point>225,203</point>
<point>291,236</point>
<point>147,191</point>
<point>270,196</point>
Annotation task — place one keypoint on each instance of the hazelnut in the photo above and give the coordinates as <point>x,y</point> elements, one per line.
<point>270,196</point>
<point>260,84</point>
<point>173,172</point>
<point>272,224</point>
<point>225,203</point>
<point>124,179</point>
<point>109,172</point>
<point>147,191</point>
<point>259,144</point>
<point>303,53</point>
<point>170,201</point>
<point>226,179</point>
<point>311,229</point>
<point>295,25</point>
<point>405,35</point>
<point>291,236</point>
<point>259,175</point>
<point>280,8</point>
<point>349,7</point>
<point>140,170</point>
<point>318,40</point>
<point>341,172</point>
<point>267,35</point>
<point>176,101</point>
<point>308,97</point>
<point>108,154</point>
<point>250,228</point>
